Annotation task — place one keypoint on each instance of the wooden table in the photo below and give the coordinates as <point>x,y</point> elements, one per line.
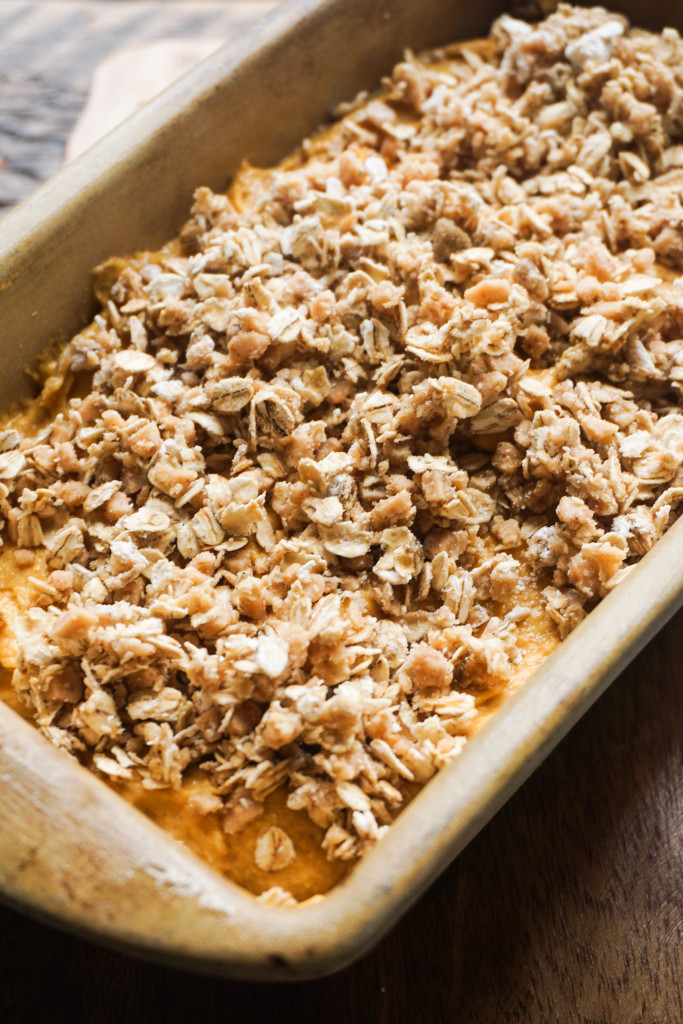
<point>566,908</point>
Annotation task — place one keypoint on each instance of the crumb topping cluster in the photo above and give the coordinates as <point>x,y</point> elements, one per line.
<point>333,438</point>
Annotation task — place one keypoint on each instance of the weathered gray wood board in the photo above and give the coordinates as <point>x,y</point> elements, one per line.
<point>48,52</point>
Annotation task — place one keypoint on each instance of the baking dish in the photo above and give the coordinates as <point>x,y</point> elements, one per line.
<point>73,850</point>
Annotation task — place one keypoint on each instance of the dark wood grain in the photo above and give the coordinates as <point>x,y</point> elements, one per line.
<point>566,908</point>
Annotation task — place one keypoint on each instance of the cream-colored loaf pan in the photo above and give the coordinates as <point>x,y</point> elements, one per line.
<point>71,850</point>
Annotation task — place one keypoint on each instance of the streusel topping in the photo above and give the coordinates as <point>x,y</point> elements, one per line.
<point>377,417</point>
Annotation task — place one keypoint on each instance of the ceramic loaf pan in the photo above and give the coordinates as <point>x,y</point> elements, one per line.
<point>71,850</point>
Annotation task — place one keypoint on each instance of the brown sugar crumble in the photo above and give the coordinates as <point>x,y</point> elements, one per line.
<point>334,471</point>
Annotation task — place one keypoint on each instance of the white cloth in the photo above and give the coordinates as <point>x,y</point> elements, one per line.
<point>127,79</point>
